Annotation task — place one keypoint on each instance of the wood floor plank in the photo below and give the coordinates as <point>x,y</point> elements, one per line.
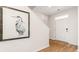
<point>59,46</point>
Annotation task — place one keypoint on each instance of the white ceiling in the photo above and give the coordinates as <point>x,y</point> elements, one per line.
<point>50,10</point>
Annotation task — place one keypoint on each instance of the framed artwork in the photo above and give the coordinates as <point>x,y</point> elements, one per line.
<point>14,23</point>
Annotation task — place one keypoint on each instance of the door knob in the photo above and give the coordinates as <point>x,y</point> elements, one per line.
<point>66,29</point>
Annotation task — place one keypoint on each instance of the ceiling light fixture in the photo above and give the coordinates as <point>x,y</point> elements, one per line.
<point>58,9</point>
<point>62,17</point>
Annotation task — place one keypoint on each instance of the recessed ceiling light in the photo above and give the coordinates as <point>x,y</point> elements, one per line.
<point>58,9</point>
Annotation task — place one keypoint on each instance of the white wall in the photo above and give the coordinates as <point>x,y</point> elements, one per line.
<point>39,36</point>
<point>42,17</point>
<point>78,28</point>
<point>71,20</point>
<point>52,26</point>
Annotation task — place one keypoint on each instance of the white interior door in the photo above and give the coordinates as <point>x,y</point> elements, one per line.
<point>61,30</point>
<point>65,30</point>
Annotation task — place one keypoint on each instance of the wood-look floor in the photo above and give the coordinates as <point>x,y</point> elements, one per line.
<point>59,46</point>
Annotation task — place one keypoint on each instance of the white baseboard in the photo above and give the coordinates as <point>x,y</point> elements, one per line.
<point>41,48</point>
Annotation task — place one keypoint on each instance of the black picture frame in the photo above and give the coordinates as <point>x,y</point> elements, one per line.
<point>28,13</point>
